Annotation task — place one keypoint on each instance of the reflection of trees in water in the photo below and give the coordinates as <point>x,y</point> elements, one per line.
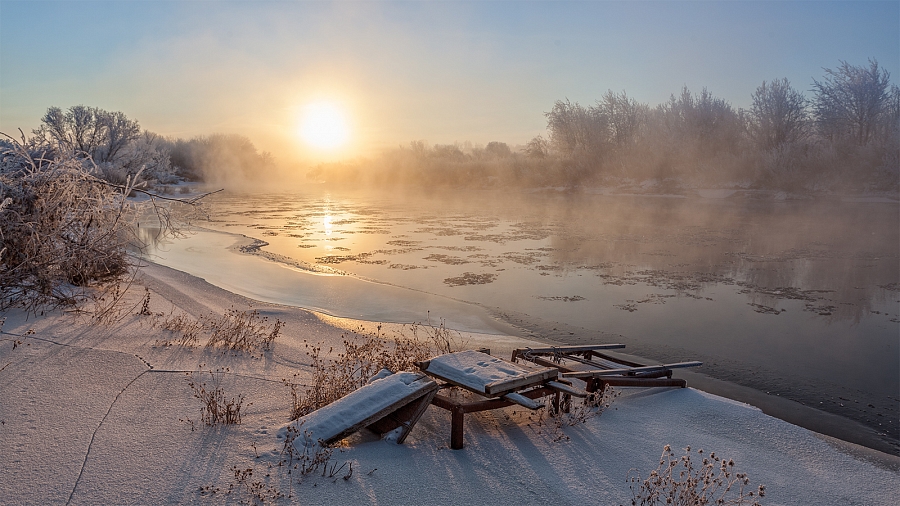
<point>833,256</point>
<point>149,239</point>
<point>839,288</point>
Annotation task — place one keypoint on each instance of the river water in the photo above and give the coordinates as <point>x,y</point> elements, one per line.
<point>799,299</point>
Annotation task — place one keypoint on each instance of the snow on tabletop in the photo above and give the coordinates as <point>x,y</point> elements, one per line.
<point>474,369</point>
<point>334,418</point>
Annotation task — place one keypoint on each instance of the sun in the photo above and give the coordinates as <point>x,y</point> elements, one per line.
<point>323,125</point>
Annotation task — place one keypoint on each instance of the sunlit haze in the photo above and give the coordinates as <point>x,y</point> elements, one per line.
<point>323,125</point>
<point>442,72</point>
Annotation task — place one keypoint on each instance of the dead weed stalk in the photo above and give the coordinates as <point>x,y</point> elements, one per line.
<point>216,408</point>
<point>677,481</point>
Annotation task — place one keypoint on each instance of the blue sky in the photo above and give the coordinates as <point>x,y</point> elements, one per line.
<point>438,71</point>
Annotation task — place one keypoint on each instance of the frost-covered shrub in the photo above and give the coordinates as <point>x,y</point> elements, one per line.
<point>63,226</point>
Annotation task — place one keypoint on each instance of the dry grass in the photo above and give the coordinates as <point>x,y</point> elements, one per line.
<point>591,406</point>
<point>257,490</point>
<point>235,330</point>
<point>363,357</point>
<point>310,459</point>
<point>216,408</point>
<point>552,422</point>
<point>677,481</point>
<point>241,331</point>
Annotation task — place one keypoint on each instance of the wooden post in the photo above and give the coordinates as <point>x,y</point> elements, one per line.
<point>456,427</point>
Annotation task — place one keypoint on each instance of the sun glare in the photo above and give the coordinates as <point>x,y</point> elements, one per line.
<point>324,126</point>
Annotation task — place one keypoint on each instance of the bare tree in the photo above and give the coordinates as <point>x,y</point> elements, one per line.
<point>778,114</point>
<point>850,101</point>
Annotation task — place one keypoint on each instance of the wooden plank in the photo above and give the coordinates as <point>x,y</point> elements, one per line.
<point>642,382</point>
<point>567,389</point>
<point>616,360</point>
<point>548,363</point>
<point>520,352</point>
<point>596,373</point>
<point>496,388</point>
<point>523,401</point>
<point>424,386</point>
<point>484,374</point>
<point>378,415</point>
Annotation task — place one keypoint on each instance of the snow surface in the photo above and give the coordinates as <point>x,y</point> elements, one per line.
<point>103,415</point>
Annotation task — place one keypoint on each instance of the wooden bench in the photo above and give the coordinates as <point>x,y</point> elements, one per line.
<point>395,401</point>
<point>497,383</point>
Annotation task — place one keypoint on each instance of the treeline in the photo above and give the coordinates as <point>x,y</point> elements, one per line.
<point>845,137</point>
<point>115,147</point>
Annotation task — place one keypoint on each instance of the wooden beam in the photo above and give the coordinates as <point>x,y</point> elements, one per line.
<point>498,388</point>
<point>604,356</point>
<point>406,416</point>
<point>523,401</point>
<point>628,371</point>
<point>445,402</point>
<point>548,363</point>
<point>567,389</point>
<point>564,349</point>
<point>642,382</point>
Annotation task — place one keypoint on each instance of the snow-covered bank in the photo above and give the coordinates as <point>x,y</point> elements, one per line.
<point>93,415</point>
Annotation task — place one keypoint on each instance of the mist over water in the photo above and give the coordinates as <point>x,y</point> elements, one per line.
<point>796,298</point>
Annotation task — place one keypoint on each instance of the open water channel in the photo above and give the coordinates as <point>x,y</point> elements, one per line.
<point>798,299</point>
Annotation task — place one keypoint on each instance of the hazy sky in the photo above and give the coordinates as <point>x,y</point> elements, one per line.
<point>438,71</point>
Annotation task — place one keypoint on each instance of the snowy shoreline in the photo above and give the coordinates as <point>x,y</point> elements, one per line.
<point>91,414</point>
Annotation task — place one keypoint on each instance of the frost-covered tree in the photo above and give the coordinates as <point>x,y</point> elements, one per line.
<point>850,102</point>
<point>111,141</point>
<point>778,114</point>
<point>88,131</point>
<point>708,123</point>
<point>574,128</point>
<point>537,147</point>
<point>624,116</point>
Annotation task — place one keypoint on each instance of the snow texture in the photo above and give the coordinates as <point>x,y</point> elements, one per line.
<point>474,370</point>
<point>101,415</point>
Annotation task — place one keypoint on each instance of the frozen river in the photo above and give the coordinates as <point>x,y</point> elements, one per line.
<point>796,299</point>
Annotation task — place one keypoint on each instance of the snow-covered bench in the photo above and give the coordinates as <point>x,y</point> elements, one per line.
<point>392,402</point>
<point>498,382</point>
